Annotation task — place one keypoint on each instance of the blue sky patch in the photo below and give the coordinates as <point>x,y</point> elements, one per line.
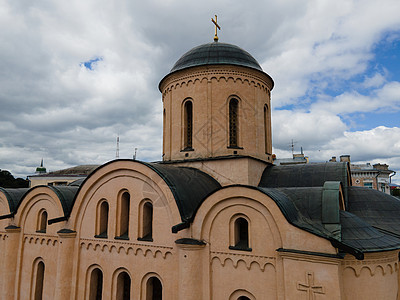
<point>90,64</point>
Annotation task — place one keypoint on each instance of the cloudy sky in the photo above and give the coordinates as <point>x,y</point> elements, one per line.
<point>76,74</point>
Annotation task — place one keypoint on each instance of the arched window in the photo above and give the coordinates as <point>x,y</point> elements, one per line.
<point>123,286</point>
<point>243,298</point>
<point>240,238</point>
<point>102,220</point>
<point>39,282</point>
<point>153,289</point>
<point>42,222</point>
<point>164,130</point>
<point>146,228</point>
<point>96,285</point>
<point>266,128</point>
<point>188,126</point>
<point>124,207</point>
<point>233,123</point>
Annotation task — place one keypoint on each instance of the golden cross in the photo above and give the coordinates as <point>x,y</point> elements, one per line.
<point>216,27</point>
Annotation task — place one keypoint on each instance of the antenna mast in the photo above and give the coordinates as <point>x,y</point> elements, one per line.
<point>117,152</point>
<point>134,155</point>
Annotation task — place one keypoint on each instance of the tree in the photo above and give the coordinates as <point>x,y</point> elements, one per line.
<point>7,180</point>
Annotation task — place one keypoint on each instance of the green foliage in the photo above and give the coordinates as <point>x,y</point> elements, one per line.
<point>7,180</point>
<point>396,192</point>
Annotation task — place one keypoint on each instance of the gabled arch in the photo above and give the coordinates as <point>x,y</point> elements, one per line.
<point>52,204</point>
<point>153,181</point>
<point>168,185</point>
<point>237,195</point>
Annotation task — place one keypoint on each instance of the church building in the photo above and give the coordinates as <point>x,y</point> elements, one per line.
<point>215,219</point>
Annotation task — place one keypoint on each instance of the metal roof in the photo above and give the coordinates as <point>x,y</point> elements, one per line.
<point>189,186</point>
<point>216,53</point>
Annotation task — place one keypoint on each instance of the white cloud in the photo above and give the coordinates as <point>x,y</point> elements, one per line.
<point>52,107</point>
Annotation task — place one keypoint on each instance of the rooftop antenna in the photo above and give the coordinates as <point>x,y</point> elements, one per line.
<point>292,145</point>
<point>134,155</point>
<point>117,152</point>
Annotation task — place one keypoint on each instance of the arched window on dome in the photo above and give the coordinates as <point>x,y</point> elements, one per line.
<point>96,285</point>
<point>266,128</point>
<point>233,123</point>
<point>188,126</point>
<point>123,286</point>
<point>123,215</point>
<point>243,298</point>
<point>39,281</point>
<point>153,289</point>
<point>164,130</point>
<point>239,231</point>
<point>42,221</point>
<point>102,220</point>
<point>146,221</point>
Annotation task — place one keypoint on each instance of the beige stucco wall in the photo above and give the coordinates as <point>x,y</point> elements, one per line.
<point>187,272</point>
<point>376,277</point>
<point>210,88</point>
<point>229,171</point>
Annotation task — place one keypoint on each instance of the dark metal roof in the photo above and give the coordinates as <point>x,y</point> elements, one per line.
<point>362,236</point>
<point>14,197</point>
<point>376,208</point>
<point>305,175</point>
<point>216,53</point>
<point>66,194</point>
<point>286,200</point>
<point>188,185</point>
<point>303,207</point>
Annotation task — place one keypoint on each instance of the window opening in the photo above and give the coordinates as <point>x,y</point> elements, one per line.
<point>39,281</point>
<point>154,289</point>
<point>42,224</point>
<point>233,123</point>
<point>123,286</point>
<point>124,216</point>
<point>266,128</point>
<point>96,285</point>
<point>147,222</point>
<point>241,235</point>
<point>188,125</point>
<point>103,221</point>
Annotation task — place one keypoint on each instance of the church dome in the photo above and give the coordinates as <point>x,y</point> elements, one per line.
<point>216,53</point>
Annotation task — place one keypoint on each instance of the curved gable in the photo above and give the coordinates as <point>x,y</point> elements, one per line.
<point>14,197</point>
<point>189,186</point>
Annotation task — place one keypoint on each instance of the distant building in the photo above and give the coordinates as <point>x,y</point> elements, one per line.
<point>60,177</point>
<point>375,176</point>
<point>295,160</point>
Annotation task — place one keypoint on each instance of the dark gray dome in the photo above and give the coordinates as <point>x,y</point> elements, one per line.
<point>216,53</point>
